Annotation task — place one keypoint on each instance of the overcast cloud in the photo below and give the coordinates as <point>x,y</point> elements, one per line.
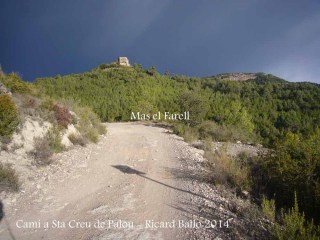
<point>200,38</point>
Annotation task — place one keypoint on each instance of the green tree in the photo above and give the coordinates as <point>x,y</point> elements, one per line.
<point>196,105</point>
<point>9,117</point>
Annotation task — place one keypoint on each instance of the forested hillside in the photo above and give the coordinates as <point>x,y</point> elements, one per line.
<point>267,107</point>
<point>114,92</point>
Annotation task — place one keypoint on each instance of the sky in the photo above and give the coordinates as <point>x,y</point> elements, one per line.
<point>42,38</point>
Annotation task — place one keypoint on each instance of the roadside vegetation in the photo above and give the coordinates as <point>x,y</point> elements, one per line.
<point>284,181</point>
<point>9,118</point>
<point>20,102</point>
<point>8,178</point>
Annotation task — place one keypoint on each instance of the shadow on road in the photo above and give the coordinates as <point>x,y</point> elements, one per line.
<point>188,174</point>
<point>128,170</point>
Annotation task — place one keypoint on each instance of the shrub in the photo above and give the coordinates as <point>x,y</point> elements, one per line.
<point>47,103</point>
<point>16,146</point>
<point>101,128</point>
<point>42,152</point>
<point>30,101</point>
<point>144,106</point>
<point>196,105</point>
<point>224,133</point>
<point>27,104</point>
<point>46,109</point>
<point>269,208</point>
<point>188,133</point>
<point>5,141</point>
<point>2,74</point>
<point>77,139</point>
<point>92,135</point>
<point>216,168</point>
<point>8,115</point>
<point>54,139</point>
<point>15,84</point>
<point>103,66</point>
<point>223,169</point>
<point>295,226</point>
<point>208,129</point>
<point>62,115</point>
<point>45,147</point>
<point>4,147</point>
<point>293,166</point>
<point>8,177</point>
<point>152,71</point>
<point>89,124</point>
<point>207,144</point>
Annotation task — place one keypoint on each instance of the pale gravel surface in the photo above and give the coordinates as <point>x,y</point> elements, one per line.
<point>137,172</point>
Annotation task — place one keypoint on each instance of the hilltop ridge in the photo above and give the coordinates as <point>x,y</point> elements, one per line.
<point>114,91</point>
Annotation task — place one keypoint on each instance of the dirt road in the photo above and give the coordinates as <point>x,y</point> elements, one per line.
<point>132,185</point>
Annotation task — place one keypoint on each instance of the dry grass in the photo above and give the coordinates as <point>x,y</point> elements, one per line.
<point>226,170</point>
<point>4,142</point>
<point>89,124</point>
<point>77,139</point>
<point>269,209</point>
<point>8,178</point>
<point>54,138</point>
<point>42,152</point>
<point>188,133</point>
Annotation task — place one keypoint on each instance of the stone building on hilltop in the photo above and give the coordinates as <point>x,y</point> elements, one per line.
<point>123,61</point>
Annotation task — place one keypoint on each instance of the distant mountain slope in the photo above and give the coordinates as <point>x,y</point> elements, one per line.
<point>258,77</point>
<point>234,76</point>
